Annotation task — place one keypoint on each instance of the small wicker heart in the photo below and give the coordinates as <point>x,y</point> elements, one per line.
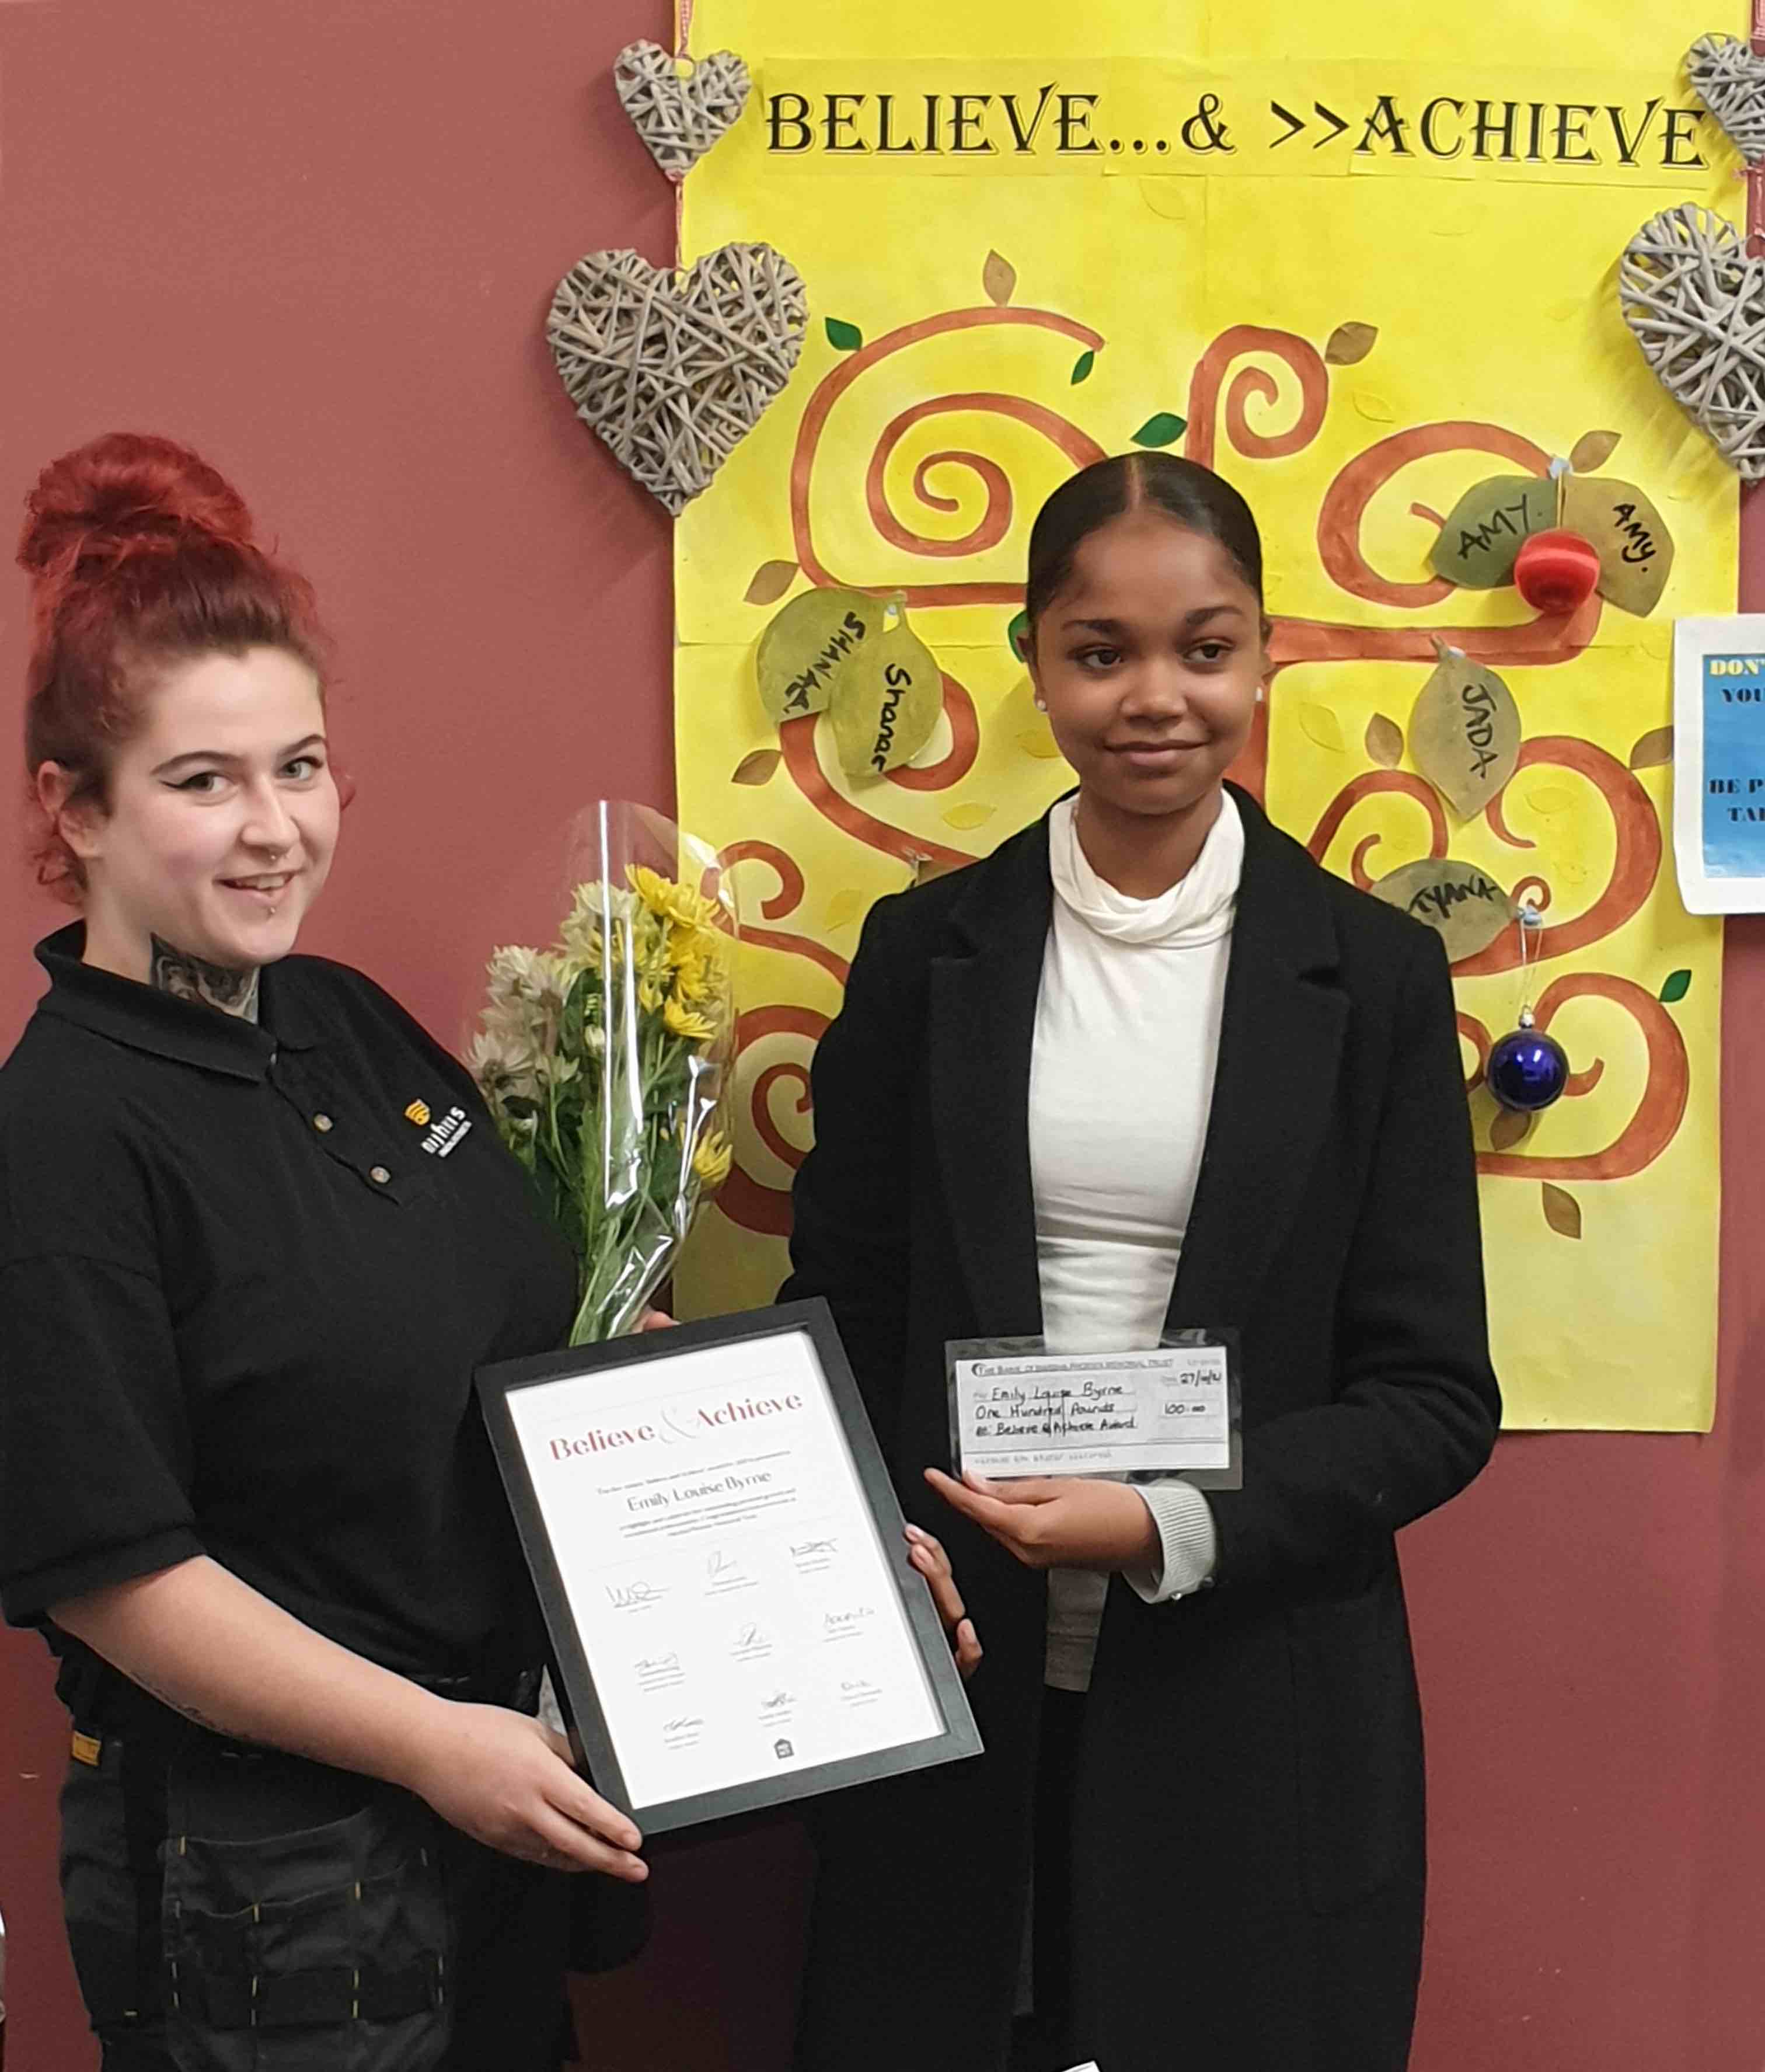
<point>1729,78</point>
<point>673,371</point>
<point>680,117</point>
<point>1697,304</point>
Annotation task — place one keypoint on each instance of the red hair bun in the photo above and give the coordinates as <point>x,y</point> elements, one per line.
<point>125,493</point>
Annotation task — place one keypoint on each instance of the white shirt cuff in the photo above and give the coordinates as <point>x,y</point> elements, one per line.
<point>1188,1542</point>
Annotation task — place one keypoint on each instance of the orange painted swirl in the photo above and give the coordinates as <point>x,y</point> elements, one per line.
<point>1077,446</point>
<point>1297,354</point>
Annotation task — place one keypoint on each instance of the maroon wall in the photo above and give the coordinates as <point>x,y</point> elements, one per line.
<point>316,239</point>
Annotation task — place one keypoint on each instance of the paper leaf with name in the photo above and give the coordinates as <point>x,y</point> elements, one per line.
<point>1460,901</point>
<point>1488,525</point>
<point>1465,735</point>
<point>803,652</point>
<point>1630,535</point>
<point>885,710</point>
<point>854,658</point>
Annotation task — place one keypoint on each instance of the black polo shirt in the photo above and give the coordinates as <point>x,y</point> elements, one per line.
<point>246,1272</point>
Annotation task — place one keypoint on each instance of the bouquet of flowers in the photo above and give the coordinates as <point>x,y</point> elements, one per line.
<point>603,1058</point>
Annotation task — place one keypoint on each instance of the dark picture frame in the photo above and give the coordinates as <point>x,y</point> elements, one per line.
<point>591,1737</point>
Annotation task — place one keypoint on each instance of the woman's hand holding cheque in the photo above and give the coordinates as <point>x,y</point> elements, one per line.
<point>1058,1521</point>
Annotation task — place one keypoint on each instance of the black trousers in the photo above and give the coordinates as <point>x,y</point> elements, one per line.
<point>240,1910</point>
<point>1043,2041</point>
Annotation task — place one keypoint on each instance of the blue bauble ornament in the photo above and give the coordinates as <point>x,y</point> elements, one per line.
<point>1528,1070</point>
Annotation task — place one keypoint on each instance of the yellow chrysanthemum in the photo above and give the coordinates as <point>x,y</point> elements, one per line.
<point>698,984</point>
<point>713,1158</point>
<point>650,995</point>
<point>667,899</point>
<point>687,1022</point>
<point>687,944</point>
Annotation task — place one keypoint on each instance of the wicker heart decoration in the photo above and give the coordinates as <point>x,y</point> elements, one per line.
<point>681,116</point>
<point>1730,80</point>
<point>1697,304</point>
<point>673,371</point>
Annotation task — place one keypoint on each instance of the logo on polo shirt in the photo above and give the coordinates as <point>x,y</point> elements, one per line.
<point>447,1134</point>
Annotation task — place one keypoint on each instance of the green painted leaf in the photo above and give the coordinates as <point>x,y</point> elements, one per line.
<point>1019,626</point>
<point>845,337</point>
<point>1161,430</point>
<point>1679,984</point>
<point>1082,369</point>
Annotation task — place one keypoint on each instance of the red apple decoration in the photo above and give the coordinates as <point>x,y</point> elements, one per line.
<point>1557,571</point>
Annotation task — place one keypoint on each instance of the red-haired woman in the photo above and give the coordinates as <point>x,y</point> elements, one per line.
<point>310,1820</point>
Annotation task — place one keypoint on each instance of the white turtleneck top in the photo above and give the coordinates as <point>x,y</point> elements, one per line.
<point>1127,1034</point>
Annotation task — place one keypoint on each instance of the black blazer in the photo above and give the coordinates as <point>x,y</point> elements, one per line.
<point>1248,1845</point>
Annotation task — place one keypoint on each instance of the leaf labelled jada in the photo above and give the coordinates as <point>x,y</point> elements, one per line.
<point>1350,343</point>
<point>999,277</point>
<point>770,582</point>
<point>1592,449</point>
<point>1653,750</point>
<point>1384,741</point>
<point>757,768</point>
<point>1563,1211</point>
<point>1465,733</point>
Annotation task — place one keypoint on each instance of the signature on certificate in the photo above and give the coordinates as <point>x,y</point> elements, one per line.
<point>778,1701</point>
<point>627,1596</point>
<point>838,1622</point>
<point>689,1726</point>
<point>720,1564</point>
<point>805,1547</point>
<point>658,1665</point>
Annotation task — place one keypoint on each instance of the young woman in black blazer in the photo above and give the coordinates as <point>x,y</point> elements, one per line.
<point>1224,1834</point>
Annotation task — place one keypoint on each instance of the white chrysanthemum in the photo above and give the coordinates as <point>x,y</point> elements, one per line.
<point>517,972</point>
<point>502,1064</point>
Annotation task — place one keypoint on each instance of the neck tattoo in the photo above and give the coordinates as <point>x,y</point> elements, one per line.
<point>186,977</point>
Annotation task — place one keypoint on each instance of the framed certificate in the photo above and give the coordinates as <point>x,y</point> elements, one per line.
<point>722,1564</point>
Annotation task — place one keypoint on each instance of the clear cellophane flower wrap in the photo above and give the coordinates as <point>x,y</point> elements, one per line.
<point>605,1056</point>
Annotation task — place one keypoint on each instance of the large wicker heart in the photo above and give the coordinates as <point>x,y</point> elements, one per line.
<point>673,371</point>
<point>679,107</point>
<point>1730,80</point>
<point>1697,303</point>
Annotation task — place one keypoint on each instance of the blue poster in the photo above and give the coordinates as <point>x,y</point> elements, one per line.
<point>1734,702</point>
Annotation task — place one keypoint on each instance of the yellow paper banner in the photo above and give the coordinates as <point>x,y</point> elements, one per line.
<point>1355,354</point>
